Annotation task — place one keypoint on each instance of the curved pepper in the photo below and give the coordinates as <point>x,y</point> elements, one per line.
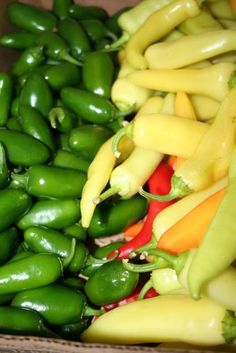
<point>29,59</point>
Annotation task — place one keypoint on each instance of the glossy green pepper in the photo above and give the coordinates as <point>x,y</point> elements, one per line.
<point>4,170</point>
<point>76,231</point>
<point>69,159</point>
<point>55,47</point>
<point>6,92</point>
<point>33,123</point>
<point>46,181</point>
<point>23,149</point>
<point>80,12</point>
<point>75,36</point>
<point>29,59</point>
<point>56,214</point>
<point>8,242</point>
<point>87,139</point>
<point>98,73</point>
<point>30,18</point>
<point>112,218</point>
<point>18,321</point>
<point>72,331</point>
<point>61,75</point>
<point>46,240</point>
<point>37,93</point>
<point>96,30</point>
<point>58,304</point>
<point>18,40</point>
<point>61,8</point>
<point>13,205</point>
<point>110,282</point>
<point>62,119</point>
<point>33,271</point>
<point>90,106</point>
<point>74,282</point>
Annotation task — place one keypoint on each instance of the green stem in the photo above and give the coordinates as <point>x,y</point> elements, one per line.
<point>150,266</point>
<point>229,327</point>
<point>232,80</point>
<point>152,244</point>
<point>106,194</point>
<point>120,113</point>
<point>67,57</point>
<point>176,261</point>
<point>148,285</point>
<point>89,311</point>
<point>56,114</point>
<point>178,189</point>
<point>125,131</point>
<point>119,42</point>
<point>21,178</point>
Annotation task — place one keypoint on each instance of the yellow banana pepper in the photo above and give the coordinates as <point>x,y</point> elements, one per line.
<point>206,108</point>
<point>221,9</point>
<point>165,318</point>
<point>213,81</point>
<point>203,46</point>
<point>156,26</point>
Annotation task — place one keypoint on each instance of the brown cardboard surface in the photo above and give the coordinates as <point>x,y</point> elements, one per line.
<point>23,344</point>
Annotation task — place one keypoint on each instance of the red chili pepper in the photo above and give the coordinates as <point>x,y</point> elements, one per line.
<point>158,183</point>
<point>130,298</point>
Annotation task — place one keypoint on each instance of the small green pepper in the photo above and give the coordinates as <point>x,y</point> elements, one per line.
<point>37,94</point>
<point>72,331</point>
<point>98,73</point>
<point>112,218</point>
<point>29,59</point>
<point>46,240</point>
<point>30,18</point>
<point>56,214</point>
<point>13,205</point>
<point>23,149</point>
<point>33,123</point>
<point>76,231</point>
<point>4,170</point>
<point>74,282</point>
<point>110,282</point>
<point>6,92</point>
<point>61,75</point>
<point>96,30</point>
<point>75,36</point>
<point>87,139</point>
<point>18,40</point>
<point>80,12</point>
<point>18,321</point>
<point>33,271</point>
<point>61,8</point>
<point>90,106</point>
<point>46,181</point>
<point>55,47</point>
<point>69,159</point>
<point>58,304</point>
<point>62,119</point>
<point>8,241</point>
<point>13,123</point>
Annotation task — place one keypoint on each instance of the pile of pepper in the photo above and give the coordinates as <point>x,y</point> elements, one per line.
<point>112,128</point>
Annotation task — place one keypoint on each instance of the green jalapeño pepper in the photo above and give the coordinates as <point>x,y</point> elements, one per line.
<point>58,304</point>
<point>80,12</point>
<point>76,231</point>
<point>29,59</point>
<point>23,149</point>
<point>96,30</point>
<point>90,106</point>
<point>112,218</point>
<point>75,36</point>
<point>13,205</point>
<point>56,214</point>
<point>98,73</point>
<point>6,90</point>
<point>110,283</point>
<point>55,47</point>
<point>33,271</point>
<point>52,182</point>
<point>68,159</point>
<point>61,8</point>
<point>46,240</point>
<point>30,18</point>
<point>61,75</point>
<point>4,171</point>
<point>72,331</point>
<point>87,139</point>
<point>8,242</point>
<point>37,94</point>
<point>18,40</point>
<point>33,123</point>
<point>18,321</point>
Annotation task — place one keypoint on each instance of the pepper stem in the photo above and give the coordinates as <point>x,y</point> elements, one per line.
<point>152,244</point>
<point>148,285</point>
<point>150,266</point>
<point>21,178</point>
<point>89,311</point>
<point>232,80</point>
<point>124,112</point>
<point>67,57</point>
<point>125,131</point>
<point>229,327</point>
<point>106,194</point>
<point>178,189</point>
<point>118,43</point>
<point>176,261</point>
<point>56,114</point>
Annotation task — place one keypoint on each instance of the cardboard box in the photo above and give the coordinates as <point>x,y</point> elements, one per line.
<point>23,344</point>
